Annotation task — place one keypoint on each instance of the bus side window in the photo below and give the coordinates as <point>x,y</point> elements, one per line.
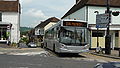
<point>52,33</point>
<point>58,32</point>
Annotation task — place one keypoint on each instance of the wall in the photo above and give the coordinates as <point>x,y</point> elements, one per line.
<point>39,31</point>
<point>79,15</point>
<point>14,19</point>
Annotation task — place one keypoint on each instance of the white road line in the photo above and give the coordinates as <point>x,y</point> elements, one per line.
<point>31,53</point>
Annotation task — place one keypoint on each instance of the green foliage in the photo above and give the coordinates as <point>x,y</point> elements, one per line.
<point>24,40</point>
<point>24,29</point>
<point>14,44</point>
<point>24,33</point>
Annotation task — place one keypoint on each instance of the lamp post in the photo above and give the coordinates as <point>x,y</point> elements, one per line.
<point>108,37</point>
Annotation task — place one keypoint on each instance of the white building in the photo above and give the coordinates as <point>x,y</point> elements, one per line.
<point>44,25</point>
<point>10,20</point>
<point>85,10</point>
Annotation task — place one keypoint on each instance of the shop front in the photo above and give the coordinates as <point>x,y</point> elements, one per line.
<point>5,33</point>
<point>99,36</point>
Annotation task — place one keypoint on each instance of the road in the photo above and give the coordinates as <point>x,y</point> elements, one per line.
<point>42,58</point>
<point>38,58</point>
<point>17,61</point>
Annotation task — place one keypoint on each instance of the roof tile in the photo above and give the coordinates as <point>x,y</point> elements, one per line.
<point>9,6</point>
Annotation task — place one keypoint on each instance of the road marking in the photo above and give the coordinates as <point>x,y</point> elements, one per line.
<point>42,53</point>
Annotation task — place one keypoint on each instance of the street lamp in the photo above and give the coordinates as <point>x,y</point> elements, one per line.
<point>108,37</point>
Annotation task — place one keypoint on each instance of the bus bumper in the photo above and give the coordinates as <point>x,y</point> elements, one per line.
<point>63,50</point>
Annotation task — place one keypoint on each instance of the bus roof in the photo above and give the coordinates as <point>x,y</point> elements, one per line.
<point>73,20</point>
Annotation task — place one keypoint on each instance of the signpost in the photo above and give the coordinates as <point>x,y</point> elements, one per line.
<point>102,20</point>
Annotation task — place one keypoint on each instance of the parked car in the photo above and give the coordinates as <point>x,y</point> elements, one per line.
<point>108,65</point>
<point>32,44</point>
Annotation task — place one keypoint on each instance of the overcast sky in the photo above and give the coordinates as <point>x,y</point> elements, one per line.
<point>34,11</point>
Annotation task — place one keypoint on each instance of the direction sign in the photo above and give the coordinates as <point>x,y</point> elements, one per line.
<point>102,20</point>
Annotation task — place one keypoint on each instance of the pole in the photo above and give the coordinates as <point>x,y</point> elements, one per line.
<point>108,37</point>
<point>97,31</point>
<point>97,38</point>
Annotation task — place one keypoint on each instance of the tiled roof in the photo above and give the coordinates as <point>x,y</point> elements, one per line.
<point>82,3</point>
<point>9,6</point>
<point>113,3</point>
<point>44,23</point>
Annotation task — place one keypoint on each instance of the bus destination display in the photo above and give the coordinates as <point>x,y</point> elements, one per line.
<point>72,23</point>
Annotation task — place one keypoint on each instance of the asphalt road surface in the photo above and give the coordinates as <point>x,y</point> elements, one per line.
<point>39,58</point>
<point>42,58</point>
<point>38,61</point>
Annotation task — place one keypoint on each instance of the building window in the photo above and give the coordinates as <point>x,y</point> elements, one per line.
<point>0,16</point>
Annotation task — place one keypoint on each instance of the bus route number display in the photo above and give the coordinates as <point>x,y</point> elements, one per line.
<point>70,23</point>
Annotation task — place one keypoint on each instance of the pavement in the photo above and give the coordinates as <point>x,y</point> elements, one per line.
<point>2,45</point>
<point>22,50</point>
<point>114,54</point>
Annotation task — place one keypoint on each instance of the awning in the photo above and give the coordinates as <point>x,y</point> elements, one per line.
<point>5,25</point>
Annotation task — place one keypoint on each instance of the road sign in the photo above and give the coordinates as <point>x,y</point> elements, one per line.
<point>102,20</point>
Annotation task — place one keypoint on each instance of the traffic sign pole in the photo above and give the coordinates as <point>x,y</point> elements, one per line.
<point>97,29</point>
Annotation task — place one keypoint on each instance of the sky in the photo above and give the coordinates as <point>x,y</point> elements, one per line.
<point>34,11</point>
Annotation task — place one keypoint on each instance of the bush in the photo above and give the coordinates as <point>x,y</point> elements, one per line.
<point>14,44</point>
<point>24,40</point>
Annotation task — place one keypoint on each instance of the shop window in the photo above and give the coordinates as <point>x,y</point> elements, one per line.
<point>99,34</point>
<point>116,34</point>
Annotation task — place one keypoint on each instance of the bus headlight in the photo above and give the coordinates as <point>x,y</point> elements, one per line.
<point>87,46</point>
<point>63,46</point>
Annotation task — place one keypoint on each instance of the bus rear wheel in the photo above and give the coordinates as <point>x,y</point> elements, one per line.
<point>45,46</point>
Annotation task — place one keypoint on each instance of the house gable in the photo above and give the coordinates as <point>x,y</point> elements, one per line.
<point>44,23</point>
<point>82,3</point>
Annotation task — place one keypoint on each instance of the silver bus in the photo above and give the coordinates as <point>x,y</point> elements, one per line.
<point>67,36</point>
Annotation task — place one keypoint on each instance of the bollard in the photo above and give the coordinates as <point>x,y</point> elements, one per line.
<point>119,52</point>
